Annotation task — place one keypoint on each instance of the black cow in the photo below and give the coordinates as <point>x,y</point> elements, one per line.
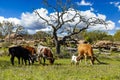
<point>20,52</point>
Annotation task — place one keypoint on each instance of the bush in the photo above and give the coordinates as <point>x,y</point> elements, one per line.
<point>6,44</point>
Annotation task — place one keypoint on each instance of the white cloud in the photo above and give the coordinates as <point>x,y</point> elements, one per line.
<point>119,7</point>
<point>28,19</point>
<point>116,4</point>
<point>117,28</point>
<point>83,3</point>
<point>111,25</point>
<point>101,16</point>
<point>12,20</point>
<point>1,19</point>
<point>91,9</point>
<point>33,23</point>
<point>89,14</point>
<point>118,21</point>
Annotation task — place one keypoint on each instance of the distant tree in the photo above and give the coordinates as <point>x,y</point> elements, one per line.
<point>19,30</point>
<point>117,35</point>
<point>1,36</point>
<point>41,35</point>
<point>66,19</point>
<point>7,28</point>
<point>79,36</point>
<point>109,37</point>
<point>93,36</point>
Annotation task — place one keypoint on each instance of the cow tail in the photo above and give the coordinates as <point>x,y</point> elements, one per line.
<point>10,52</point>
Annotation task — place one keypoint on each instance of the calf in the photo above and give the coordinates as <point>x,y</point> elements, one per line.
<point>19,52</point>
<point>74,59</point>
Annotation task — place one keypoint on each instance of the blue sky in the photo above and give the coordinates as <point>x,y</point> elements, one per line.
<point>20,10</point>
<point>14,8</point>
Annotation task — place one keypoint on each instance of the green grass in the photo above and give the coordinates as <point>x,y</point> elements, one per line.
<point>62,70</point>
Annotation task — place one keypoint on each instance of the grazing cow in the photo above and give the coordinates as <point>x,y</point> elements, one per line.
<point>33,54</point>
<point>45,53</point>
<point>19,52</point>
<point>86,51</point>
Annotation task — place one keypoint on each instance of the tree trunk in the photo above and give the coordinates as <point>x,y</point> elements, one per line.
<point>57,47</point>
<point>57,44</point>
<point>9,38</point>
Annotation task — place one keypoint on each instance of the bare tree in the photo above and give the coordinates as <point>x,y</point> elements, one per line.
<point>66,19</point>
<point>18,29</point>
<point>7,28</point>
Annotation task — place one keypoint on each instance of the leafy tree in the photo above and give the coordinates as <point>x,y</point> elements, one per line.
<point>117,35</point>
<point>109,37</point>
<point>66,19</point>
<point>93,36</point>
<point>41,35</point>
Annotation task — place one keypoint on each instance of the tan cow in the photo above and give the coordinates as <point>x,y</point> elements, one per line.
<point>86,51</point>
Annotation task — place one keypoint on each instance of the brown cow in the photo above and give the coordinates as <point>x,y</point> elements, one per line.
<point>31,49</point>
<point>33,54</point>
<point>86,51</point>
<point>45,53</point>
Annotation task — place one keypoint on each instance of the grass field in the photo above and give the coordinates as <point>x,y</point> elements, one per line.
<point>62,70</point>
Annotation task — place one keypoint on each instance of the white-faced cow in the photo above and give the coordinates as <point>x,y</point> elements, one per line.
<point>45,53</point>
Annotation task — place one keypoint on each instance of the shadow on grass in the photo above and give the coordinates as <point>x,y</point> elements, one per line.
<point>102,63</point>
<point>6,63</point>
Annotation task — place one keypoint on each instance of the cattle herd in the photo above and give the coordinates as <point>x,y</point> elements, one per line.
<point>28,54</point>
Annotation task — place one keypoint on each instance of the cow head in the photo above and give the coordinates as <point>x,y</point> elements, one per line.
<point>79,58</point>
<point>51,60</point>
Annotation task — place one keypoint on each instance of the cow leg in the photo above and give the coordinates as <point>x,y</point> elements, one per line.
<point>92,59</point>
<point>30,60</point>
<point>44,60</point>
<point>22,61</point>
<point>12,60</point>
<point>85,59</point>
<point>39,60</point>
<point>19,60</point>
<point>25,61</point>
